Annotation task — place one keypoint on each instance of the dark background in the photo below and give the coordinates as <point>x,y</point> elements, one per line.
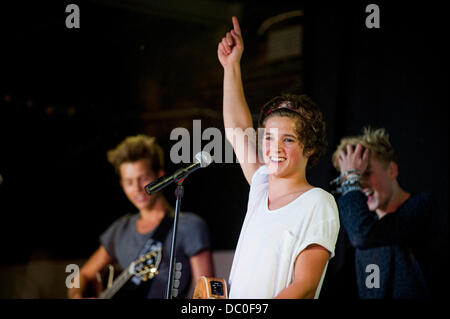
<point>69,95</point>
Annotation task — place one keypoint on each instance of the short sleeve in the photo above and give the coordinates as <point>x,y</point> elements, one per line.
<point>109,237</point>
<point>261,176</point>
<point>260,179</point>
<point>323,234</point>
<point>196,234</point>
<point>324,225</point>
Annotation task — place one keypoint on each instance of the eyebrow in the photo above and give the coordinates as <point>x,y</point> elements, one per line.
<point>283,135</point>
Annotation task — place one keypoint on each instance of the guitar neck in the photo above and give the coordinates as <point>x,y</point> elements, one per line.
<point>117,284</point>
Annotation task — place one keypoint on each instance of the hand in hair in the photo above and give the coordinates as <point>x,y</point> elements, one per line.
<point>354,158</point>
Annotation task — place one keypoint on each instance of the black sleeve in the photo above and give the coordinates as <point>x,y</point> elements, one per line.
<point>364,230</point>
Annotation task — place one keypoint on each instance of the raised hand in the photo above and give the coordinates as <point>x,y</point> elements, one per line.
<point>353,159</point>
<point>229,50</point>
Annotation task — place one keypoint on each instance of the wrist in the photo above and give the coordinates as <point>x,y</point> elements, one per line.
<point>74,293</point>
<point>233,68</point>
<point>348,181</point>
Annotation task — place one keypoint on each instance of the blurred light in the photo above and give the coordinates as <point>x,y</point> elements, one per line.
<point>29,103</point>
<point>50,109</point>
<point>71,111</point>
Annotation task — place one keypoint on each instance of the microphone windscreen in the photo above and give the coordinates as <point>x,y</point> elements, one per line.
<point>204,158</point>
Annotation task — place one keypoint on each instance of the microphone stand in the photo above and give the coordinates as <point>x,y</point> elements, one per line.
<point>179,191</point>
<point>203,159</point>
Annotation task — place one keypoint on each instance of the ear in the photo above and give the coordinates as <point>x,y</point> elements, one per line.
<point>393,170</point>
<point>308,153</point>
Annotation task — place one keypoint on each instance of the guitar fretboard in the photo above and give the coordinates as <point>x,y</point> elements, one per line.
<point>118,283</point>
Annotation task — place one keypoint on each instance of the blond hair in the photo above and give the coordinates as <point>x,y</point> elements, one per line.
<point>377,141</point>
<point>135,148</point>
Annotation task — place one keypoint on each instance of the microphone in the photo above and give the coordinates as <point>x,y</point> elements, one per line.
<point>202,159</point>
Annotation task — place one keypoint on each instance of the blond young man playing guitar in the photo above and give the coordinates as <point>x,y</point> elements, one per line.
<point>138,160</point>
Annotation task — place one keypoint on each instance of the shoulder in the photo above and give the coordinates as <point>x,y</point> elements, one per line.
<point>419,201</point>
<point>191,220</point>
<point>260,176</point>
<point>115,233</point>
<point>422,197</point>
<point>319,195</point>
<point>123,222</point>
<point>194,233</point>
<point>125,219</point>
<point>323,204</point>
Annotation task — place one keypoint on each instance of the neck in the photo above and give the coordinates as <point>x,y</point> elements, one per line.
<point>155,211</point>
<point>284,185</point>
<point>399,196</point>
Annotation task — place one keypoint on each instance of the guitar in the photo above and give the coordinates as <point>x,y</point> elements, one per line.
<point>145,267</point>
<point>210,288</point>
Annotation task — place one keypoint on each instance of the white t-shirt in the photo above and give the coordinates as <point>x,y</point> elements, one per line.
<point>271,240</point>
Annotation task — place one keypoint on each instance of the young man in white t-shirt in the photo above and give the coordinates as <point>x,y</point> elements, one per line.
<point>290,229</point>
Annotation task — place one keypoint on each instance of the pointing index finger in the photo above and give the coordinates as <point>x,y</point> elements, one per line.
<point>236,26</point>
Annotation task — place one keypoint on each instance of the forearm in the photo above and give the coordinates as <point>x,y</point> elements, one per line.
<point>365,231</point>
<point>201,265</point>
<point>309,268</point>
<point>297,290</point>
<point>356,218</point>
<point>236,113</point>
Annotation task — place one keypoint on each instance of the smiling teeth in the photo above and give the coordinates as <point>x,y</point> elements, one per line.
<point>369,192</point>
<point>277,159</point>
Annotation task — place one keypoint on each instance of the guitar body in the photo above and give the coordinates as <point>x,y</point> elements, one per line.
<point>210,288</point>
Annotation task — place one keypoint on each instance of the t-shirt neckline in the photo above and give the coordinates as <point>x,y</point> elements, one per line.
<point>266,205</point>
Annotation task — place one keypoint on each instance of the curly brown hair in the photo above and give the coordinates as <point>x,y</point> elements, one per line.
<point>135,148</point>
<point>310,124</point>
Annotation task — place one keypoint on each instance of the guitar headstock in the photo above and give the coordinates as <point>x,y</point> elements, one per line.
<point>146,266</point>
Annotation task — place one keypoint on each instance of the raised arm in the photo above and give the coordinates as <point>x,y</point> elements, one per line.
<point>236,114</point>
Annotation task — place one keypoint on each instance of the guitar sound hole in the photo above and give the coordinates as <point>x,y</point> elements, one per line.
<point>216,288</point>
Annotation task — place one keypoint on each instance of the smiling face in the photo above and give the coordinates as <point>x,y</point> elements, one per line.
<point>282,149</point>
<point>134,176</point>
<point>378,183</point>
